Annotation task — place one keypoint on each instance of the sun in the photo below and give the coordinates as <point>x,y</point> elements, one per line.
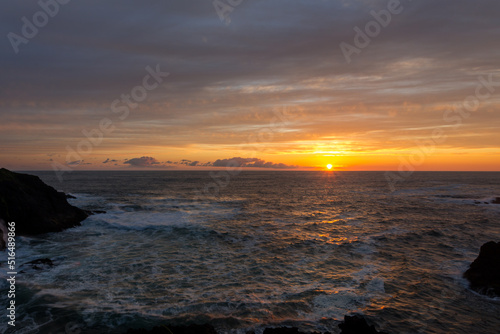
<point>329,166</point>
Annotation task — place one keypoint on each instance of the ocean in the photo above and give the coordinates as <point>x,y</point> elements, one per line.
<point>260,249</point>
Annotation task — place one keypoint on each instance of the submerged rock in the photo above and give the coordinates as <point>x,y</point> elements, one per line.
<point>287,330</point>
<point>209,329</point>
<point>40,264</point>
<point>484,273</point>
<point>282,330</point>
<point>3,235</point>
<point>191,329</point>
<point>34,206</point>
<point>94,212</point>
<point>357,324</point>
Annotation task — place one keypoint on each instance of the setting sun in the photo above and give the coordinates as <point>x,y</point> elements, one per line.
<point>329,166</point>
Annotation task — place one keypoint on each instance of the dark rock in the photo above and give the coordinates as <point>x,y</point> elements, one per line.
<point>40,264</point>
<point>282,330</point>
<point>496,201</point>
<point>484,273</point>
<point>95,212</point>
<point>357,324</point>
<point>208,329</point>
<point>70,196</point>
<point>3,235</point>
<point>165,329</point>
<point>34,206</point>
<point>287,330</point>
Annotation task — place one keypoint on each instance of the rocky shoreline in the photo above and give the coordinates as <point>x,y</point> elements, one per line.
<point>35,207</point>
<point>484,273</point>
<point>355,324</point>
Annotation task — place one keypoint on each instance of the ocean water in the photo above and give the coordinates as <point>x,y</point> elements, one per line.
<point>261,249</point>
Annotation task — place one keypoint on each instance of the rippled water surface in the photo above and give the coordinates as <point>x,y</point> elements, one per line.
<point>264,248</point>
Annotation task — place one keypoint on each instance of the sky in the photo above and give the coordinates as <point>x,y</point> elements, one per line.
<point>274,84</point>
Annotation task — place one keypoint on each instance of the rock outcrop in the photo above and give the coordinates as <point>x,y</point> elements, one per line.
<point>208,329</point>
<point>357,324</point>
<point>40,264</point>
<point>3,234</point>
<point>484,273</point>
<point>287,330</point>
<point>191,329</point>
<point>35,207</point>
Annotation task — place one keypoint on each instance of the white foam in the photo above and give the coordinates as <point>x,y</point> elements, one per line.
<point>142,219</point>
<point>376,286</point>
<point>337,304</point>
<point>83,200</point>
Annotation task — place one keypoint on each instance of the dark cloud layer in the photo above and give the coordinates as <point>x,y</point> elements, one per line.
<point>250,162</point>
<point>232,162</point>
<point>142,162</point>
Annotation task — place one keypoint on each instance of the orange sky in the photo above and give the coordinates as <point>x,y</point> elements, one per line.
<point>173,87</point>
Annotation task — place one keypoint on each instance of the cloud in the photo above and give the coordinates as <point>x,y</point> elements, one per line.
<point>250,162</point>
<point>142,162</point>
<point>74,163</point>
<point>146,161</point>
<point>109,161</point>
<point>185,162</point>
